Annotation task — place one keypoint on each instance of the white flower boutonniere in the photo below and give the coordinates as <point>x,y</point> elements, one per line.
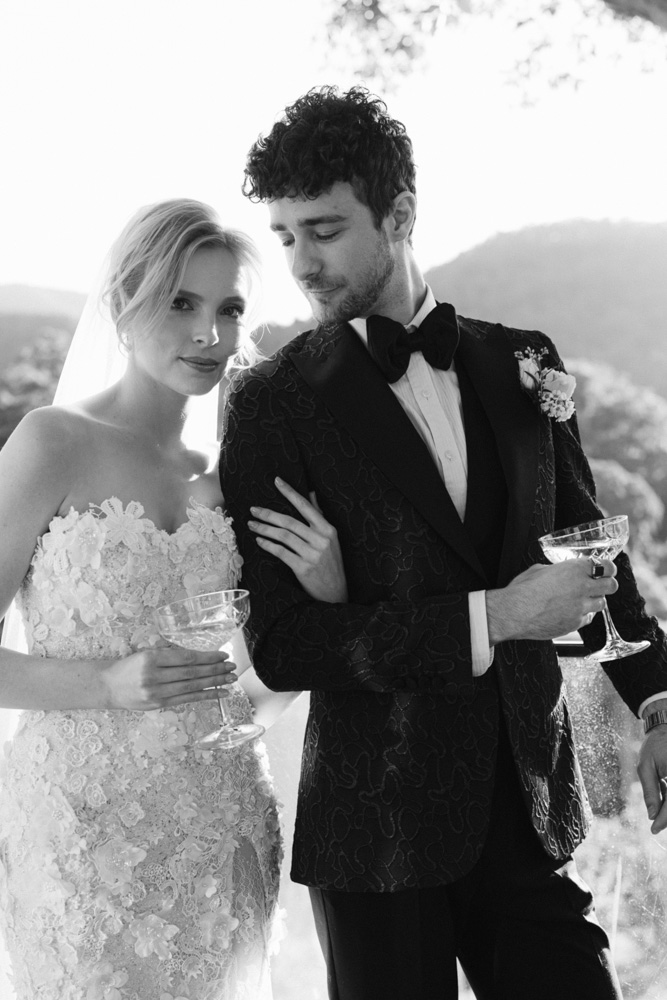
<point>552,390</point>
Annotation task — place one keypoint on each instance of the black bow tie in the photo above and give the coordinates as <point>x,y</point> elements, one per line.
<point>390,345</point>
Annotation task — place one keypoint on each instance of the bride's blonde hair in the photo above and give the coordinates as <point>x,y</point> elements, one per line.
<point>149,258</point>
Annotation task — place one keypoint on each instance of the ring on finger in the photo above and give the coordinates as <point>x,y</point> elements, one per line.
<point>597,570</point>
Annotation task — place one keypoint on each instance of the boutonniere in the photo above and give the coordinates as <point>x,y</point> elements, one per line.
<point>551,389</point>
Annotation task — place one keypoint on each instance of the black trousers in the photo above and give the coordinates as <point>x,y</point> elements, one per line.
<point>521,924</point>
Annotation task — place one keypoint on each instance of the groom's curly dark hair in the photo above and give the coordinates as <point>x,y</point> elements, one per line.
<point>328,136</point>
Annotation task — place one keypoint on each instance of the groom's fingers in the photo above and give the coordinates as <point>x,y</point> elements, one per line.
<point>654,789</point>
<point>660,821</point>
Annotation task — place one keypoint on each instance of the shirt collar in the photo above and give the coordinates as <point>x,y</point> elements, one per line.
<point>428,305</point>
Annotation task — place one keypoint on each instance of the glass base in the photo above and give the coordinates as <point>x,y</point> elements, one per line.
<point>230,736</point>
<point>616,649</point>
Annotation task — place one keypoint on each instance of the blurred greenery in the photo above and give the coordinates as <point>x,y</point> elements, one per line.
<point>30,380</point>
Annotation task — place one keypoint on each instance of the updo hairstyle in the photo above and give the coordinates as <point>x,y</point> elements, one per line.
<point>149,258</point>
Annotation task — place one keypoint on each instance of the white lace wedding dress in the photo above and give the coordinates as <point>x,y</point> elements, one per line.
<point>132,866</point>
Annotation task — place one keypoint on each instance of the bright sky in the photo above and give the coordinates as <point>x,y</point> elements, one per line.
<point>106,105</point>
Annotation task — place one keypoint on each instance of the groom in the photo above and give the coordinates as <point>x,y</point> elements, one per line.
<point>440,798</point>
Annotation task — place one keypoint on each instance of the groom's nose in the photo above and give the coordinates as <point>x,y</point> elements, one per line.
<point>305,261</point>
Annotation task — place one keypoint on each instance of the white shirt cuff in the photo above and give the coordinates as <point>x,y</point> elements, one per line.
<point>654,697</point>
<point>482,653</point>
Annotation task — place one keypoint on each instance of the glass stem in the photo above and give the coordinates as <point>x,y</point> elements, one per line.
<point>612,634</point>
<point>225,714</point>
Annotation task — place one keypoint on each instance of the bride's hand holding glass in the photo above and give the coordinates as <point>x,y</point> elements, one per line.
<point>309,546</point>
<point>164,677</point>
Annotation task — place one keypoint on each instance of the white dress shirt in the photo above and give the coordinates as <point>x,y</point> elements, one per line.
<point>431,399</point>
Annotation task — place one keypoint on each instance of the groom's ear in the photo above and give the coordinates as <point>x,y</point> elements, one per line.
<point>402,216</point>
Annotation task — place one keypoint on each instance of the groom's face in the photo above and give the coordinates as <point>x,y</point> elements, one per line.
<point>338,257</point>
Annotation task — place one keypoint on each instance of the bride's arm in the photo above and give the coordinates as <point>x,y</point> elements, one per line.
<point>310,548</point>
<point>35,470</point>
<point>37,467</point>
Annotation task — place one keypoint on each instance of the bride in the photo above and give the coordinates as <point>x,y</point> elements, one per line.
<point>134,866</point>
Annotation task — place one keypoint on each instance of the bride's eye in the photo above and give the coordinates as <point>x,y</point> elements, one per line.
<point>234,310</point>
<point>180,304</point>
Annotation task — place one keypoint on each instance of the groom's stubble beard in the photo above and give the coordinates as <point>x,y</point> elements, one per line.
<point>360,299</point>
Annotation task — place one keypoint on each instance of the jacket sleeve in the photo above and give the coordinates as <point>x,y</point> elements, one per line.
<point>301,644</point>
<point>645,674</point>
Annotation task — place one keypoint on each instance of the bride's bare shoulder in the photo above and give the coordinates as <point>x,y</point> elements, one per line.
<point>56,423</point>
<point>52,435</point>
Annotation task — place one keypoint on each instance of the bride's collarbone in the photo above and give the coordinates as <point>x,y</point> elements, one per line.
<point>163,492</point>
<point>113,462</point>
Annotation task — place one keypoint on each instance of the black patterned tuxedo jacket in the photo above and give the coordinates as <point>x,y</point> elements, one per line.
<point>400,745</point>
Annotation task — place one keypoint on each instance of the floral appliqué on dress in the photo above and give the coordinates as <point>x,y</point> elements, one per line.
<point>132,866</point>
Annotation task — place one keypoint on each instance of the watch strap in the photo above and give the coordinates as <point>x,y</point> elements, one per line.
<point>653,719</point>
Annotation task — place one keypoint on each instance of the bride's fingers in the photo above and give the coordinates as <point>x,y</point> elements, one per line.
<point>178,697</point>
<point>194,684</point>
<point>295,561</point>
<point>287,536</point>
<point>310,509</point>
<point>315,502</point>
<point>199,676</point>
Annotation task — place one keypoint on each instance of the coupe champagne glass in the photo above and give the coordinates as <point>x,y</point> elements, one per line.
<point>595,540</point>
<point>205,623</point>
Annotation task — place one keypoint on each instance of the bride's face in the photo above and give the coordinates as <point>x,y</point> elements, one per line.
<point>190,349</point>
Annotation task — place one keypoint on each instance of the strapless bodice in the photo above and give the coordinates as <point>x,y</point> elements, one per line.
<point>97,577</point>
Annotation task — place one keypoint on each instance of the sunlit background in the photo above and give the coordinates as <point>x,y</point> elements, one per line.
<point>539,134</point>
<point>109,105</point>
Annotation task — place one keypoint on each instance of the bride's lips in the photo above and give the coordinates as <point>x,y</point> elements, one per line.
<point>205,365</point>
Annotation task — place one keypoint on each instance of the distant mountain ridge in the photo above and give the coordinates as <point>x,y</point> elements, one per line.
<point>598,289</point>
<point>22,299</point>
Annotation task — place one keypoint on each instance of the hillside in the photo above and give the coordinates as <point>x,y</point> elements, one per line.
<point>599,289</point>
<point>25,311</point>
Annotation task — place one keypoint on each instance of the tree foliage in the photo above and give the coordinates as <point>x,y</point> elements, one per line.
<point>623,492</point>
<point>385,39</point>
<point>31,380</point>
<point>622,422</point>
<point>624,432</point>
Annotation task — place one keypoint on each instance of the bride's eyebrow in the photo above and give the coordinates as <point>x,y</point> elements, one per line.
<point>234,298</point>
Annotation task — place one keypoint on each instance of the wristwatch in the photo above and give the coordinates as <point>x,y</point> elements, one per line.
<point>654,719</point>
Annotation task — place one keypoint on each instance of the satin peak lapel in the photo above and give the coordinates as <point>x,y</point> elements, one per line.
<point>353,389</point>
<point>494,372</point>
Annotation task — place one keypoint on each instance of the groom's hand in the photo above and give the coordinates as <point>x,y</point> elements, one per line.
<point>652,771</point>
<point>547,601</point>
